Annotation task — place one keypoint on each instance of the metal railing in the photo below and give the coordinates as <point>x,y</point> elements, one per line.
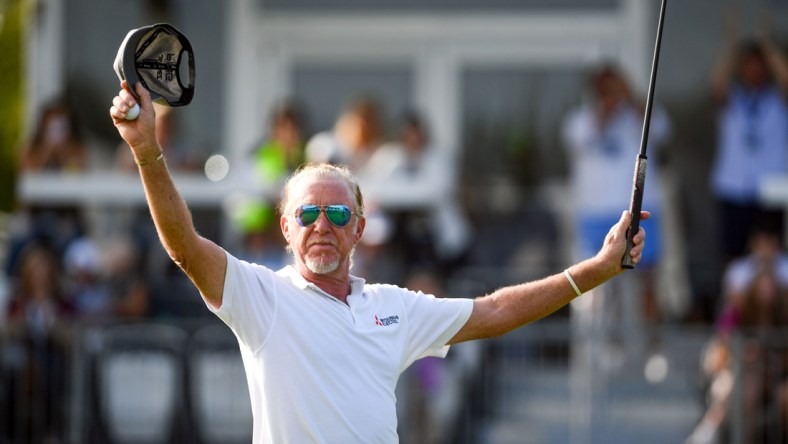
<point>759,398</point>
<point>172,382</point>
<point>132,382</point>
<point>552,381</point>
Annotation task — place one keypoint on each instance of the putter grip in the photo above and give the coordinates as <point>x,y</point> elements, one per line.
<point>638,184</point>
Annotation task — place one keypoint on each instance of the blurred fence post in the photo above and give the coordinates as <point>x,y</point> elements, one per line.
<point>12,30</point>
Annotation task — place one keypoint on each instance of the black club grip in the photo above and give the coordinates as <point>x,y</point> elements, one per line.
<point>638,185</point>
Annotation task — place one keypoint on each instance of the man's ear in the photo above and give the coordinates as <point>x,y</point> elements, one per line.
<point>285,227</point>
<point>362,222</point>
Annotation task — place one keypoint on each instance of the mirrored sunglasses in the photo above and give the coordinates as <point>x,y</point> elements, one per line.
<point>338,215</point>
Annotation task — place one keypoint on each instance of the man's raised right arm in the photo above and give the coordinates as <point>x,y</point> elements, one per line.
<point>202,260</point>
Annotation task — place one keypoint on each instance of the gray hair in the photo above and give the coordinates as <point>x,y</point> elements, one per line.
<point>327,171</point>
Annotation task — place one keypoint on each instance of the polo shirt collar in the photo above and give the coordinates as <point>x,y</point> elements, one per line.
<point>290,272</point>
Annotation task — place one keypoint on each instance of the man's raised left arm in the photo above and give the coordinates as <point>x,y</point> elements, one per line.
<point>511,307</point>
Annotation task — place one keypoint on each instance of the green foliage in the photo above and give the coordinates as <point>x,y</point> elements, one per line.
<point>12,14</point>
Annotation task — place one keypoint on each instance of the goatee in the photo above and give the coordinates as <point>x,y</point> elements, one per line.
<point>321,265</point>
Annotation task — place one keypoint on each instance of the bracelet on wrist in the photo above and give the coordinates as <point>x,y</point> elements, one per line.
<point>572,282</point>
<point>148,162</point>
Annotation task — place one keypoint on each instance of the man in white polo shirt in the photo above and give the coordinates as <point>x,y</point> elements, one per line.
<point>322,349</point>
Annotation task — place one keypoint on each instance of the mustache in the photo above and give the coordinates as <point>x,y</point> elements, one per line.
<point>321,241</point>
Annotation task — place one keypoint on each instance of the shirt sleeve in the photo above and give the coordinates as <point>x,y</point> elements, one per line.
<point>432,322</point>
<point>248,301</point>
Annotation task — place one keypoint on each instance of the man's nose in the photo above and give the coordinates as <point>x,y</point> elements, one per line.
<point>322,224</point>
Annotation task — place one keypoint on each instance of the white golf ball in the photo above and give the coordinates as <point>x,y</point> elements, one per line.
<point>133,112</point>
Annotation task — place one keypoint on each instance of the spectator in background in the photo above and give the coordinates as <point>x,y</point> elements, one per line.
<point>282,152</point>
<point>89,295</point>
<point>756,306</point>
<point>56,144</point>
<point>762,316</point>
<point>754,297</point>
<point>435,232</point>
<point>356,135</point>
<point>273,160</point>
<point>765,253</point>
<point>125,282</point>
<point>38,379</point>
<point>750,86</point>
<point>602,137</point>
<point>55,227</point>
<point>38,299</point>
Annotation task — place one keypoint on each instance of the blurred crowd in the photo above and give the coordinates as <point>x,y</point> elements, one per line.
<point>60,271</point>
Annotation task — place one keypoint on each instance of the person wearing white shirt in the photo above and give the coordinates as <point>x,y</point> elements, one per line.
<point>322,349</point>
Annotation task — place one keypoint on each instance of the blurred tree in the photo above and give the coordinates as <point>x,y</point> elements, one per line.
<point>12,14</point>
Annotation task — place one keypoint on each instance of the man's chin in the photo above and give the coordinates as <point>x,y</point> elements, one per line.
<point>322,267</point>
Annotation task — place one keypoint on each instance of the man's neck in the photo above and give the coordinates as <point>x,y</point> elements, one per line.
<point>337,283</point>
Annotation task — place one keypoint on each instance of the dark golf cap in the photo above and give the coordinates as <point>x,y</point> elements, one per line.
<point>161,58</point>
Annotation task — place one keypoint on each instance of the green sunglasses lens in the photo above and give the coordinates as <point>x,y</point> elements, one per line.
<point>307,215</point>
<point>338,215</point>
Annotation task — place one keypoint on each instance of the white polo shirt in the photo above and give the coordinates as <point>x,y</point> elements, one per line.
<point>602,157</point>
<point>319,370</point>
